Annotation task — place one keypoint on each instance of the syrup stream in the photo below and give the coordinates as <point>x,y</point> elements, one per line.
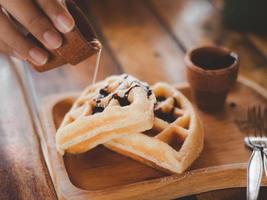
<point>97,66</point>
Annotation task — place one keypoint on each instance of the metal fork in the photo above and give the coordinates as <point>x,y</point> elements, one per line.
<point>256,127</point>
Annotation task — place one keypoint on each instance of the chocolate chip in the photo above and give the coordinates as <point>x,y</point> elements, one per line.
<point>160,98</point>
<point>166,116</point>
<point>123,101</point>
<point>103,92</point>
<point>149,93</point>
<point>97,109</point>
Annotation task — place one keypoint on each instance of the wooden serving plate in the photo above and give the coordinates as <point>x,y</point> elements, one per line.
<point>103,174</point>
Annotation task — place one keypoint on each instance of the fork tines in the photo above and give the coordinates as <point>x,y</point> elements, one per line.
<point>257,120</point>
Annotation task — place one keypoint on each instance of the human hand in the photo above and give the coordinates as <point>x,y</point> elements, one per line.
<point>44,19</point>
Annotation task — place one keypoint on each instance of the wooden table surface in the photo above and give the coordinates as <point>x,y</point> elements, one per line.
<point>145,38</point>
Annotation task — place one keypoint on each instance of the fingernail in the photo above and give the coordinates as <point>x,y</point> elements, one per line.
<point>38,56</point>
<point>65,24</point>
<point>52,39</point>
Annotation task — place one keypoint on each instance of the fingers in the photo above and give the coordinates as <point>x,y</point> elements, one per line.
<point>18,43</point>
<point>58,14</point>
<point>31,17</point>
<point>43,18</point>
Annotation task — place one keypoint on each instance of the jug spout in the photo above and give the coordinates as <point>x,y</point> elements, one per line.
<point>96,45</point>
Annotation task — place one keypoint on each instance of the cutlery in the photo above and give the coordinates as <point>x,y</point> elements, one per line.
<point>255,127</point>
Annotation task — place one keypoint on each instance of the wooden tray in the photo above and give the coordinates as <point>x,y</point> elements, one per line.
<point>103,174</point>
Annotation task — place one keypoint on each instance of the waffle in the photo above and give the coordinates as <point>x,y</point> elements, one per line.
<point>176,139</point>
<point>116,106</point>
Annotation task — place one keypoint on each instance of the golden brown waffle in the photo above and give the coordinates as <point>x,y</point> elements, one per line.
<point>176,139</point>
<point>116,106</point>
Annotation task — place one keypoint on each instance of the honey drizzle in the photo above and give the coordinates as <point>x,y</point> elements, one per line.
<point>97,66</point>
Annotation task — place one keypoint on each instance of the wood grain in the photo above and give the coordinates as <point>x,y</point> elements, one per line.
<point>23,173</point>
<point>259,40</point>
<point>197,23</point>
<point>140,44</point>
<point>101,174</point>
<point>145,38</point>
<point>257,45</point>
<point>192,22</point>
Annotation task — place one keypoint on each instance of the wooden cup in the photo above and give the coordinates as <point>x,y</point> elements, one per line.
<point>78,44</point>
<point>211,72</point>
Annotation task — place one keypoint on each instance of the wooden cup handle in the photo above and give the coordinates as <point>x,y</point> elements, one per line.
<point>78,44</point>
